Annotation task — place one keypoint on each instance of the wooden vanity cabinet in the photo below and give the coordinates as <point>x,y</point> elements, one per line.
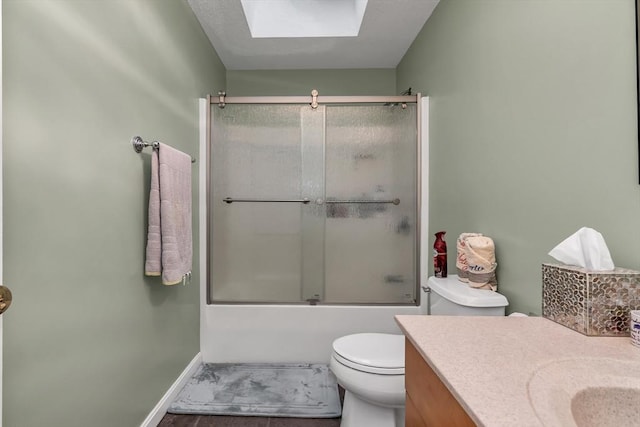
<point>429,403</point>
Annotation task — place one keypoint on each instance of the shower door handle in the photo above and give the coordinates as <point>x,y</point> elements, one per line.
<point>305,201</point>
<point>394,201</point>
<point>230,200</point>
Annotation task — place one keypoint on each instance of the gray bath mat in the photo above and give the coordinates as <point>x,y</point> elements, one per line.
<point>283,390</point>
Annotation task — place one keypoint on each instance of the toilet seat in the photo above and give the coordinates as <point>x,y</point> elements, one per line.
<point>374,353</point>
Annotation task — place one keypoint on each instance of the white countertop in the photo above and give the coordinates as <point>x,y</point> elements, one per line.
<point>487,362</point>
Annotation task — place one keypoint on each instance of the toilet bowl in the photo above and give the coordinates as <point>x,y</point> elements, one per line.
<point>370,366</point>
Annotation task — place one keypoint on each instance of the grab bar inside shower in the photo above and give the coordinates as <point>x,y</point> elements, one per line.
<point>305,201</point>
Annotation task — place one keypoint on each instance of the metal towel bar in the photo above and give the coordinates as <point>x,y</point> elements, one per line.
<point>139,144</point>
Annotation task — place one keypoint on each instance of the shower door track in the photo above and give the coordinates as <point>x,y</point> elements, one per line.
<point>321,99</point>
<point>222,99</point>
<point>314,100</point>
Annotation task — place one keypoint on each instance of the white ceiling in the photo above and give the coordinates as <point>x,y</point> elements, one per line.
<point>388,29</point>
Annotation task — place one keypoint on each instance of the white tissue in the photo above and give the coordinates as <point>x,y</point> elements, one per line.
<point>585,248</point>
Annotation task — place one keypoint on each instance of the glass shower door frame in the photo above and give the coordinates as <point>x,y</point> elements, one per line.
<point>221,101</point>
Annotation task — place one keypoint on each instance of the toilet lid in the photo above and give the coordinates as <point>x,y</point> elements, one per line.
<point>463,294</point>
<point>372,352</point>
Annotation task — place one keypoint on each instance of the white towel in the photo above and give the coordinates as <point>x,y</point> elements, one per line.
<point>481,259</point>
<point>461,257</point>
<point>169,237</point>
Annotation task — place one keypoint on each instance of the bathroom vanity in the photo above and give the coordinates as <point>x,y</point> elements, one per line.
<point>524,371</point>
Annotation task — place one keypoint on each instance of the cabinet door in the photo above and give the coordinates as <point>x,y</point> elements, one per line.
<point>412,416</point>
<point>430,397</point>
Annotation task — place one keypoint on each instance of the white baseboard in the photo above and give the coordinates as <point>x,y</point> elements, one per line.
<point>155,416</point>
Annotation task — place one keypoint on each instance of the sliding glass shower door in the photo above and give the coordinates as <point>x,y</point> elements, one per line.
<point>313,205</point>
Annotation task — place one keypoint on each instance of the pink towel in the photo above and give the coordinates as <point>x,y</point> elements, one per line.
<point>169,237</point>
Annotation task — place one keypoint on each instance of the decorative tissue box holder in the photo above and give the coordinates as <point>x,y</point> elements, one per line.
<point>594,303</point>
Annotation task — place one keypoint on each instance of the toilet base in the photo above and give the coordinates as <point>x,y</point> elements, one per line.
<point>358,413</point>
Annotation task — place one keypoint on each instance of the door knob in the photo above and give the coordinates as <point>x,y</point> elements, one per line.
<point>5,298</point>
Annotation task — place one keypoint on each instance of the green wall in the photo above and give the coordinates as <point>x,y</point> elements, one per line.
<point>300,82</point>
<point>533,135</point>
<point>533,128</point>
<point>89,341</point>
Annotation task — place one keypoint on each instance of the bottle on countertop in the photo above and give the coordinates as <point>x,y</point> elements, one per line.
<point>440,255</point>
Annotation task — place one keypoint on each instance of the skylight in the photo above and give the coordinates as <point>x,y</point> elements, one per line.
<point>304,18</point>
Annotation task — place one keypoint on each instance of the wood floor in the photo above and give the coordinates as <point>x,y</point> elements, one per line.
<point>172,420</point>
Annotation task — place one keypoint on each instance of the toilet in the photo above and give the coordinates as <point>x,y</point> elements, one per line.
<point>370,366</point>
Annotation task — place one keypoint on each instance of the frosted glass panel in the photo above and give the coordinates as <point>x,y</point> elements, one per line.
<point>335,249</point>
<point>256,252</point>
<point>370,154</point>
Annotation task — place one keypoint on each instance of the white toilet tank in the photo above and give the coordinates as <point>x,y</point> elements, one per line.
<point>449,296</point>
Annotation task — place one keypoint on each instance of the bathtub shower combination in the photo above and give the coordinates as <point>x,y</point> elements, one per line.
<point>312,221</point>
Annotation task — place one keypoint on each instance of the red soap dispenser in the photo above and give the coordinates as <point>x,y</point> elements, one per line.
<point>440,255</point>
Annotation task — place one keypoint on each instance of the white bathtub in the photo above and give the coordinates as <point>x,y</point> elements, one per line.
<point>287,333</point>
